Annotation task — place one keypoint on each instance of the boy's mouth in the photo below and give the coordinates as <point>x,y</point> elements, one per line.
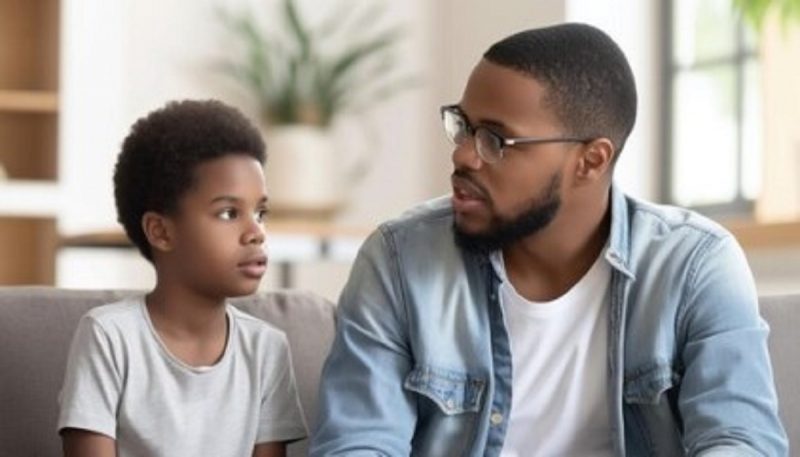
<point>254,267</point>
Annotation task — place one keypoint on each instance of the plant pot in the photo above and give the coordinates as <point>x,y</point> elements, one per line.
<point>304,173</point>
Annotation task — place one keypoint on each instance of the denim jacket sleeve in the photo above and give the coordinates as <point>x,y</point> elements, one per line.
<point>727,397</point>
<point>363,408</point>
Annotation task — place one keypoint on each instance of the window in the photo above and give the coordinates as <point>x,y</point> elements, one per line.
<point>712,99</point>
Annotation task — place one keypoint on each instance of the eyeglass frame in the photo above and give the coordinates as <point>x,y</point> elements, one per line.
<point>504,141</point>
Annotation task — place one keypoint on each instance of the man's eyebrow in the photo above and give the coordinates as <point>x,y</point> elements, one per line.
<point>484,122</point>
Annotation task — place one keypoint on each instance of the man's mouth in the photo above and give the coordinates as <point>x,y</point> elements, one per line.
<point>467,195</point>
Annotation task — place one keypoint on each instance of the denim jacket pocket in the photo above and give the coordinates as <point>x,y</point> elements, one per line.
<point>652,421</point>
<point>647,385</point>
<point>452,391</point>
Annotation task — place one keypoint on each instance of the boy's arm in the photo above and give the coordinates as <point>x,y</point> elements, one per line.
<point>92,385</point>
<point>83,443</point>
<point>270,450</point>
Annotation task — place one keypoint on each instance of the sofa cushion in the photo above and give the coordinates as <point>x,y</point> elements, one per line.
<point>36,327</point>
<point>783,315</point>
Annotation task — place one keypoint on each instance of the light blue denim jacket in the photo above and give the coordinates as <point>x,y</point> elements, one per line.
<point>421,363</point>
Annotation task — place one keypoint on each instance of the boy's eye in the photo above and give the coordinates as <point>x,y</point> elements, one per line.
<point>228,214</point>
<point>261,215</point>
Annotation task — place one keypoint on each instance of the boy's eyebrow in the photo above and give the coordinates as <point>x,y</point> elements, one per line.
<point>232,199</point>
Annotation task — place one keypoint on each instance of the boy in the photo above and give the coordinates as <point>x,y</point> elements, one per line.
<point>178,371</point>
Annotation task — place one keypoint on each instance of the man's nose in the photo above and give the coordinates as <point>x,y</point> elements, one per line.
<point>465,155</point>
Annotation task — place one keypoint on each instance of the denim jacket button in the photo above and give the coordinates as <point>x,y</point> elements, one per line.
<point>496,418</point>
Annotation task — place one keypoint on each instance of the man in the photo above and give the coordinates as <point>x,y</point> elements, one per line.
<point>540,311</point>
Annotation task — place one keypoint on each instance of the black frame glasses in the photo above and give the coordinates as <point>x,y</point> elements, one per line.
<point>489,144</point>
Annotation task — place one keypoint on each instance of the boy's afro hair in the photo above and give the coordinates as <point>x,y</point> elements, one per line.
<point>159,155</point>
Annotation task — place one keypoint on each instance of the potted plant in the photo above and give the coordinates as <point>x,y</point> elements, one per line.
<point>755,11</point>
<point>302,77</point>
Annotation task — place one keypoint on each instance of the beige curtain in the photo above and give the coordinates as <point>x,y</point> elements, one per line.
<point>780,57</point>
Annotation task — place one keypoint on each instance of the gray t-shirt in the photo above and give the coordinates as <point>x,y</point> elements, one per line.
<point>121,381</point>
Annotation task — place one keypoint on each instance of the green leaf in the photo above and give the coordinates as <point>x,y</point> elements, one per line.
<point>292,80</point>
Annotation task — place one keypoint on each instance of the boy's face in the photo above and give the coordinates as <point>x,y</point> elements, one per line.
<point>218,230</point>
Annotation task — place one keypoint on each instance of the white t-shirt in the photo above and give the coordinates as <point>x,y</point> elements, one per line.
<point>559,403</point>
<point>121,381</point>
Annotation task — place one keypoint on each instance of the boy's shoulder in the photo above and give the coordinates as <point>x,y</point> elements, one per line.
<point>255,328</point>
<point>118,313</point>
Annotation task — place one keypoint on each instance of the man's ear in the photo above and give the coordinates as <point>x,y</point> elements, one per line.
<point>596,160</point>
<point>159,231</point>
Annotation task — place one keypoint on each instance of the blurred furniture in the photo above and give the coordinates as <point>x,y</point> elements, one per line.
<point>289,242</point>
<point>36,327</point>
<point>782,313</point>
<point>29,117</point>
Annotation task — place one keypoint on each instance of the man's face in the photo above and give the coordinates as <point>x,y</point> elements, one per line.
<point>498,203</point>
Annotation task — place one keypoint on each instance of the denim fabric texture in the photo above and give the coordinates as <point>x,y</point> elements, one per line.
<point>421,362</point>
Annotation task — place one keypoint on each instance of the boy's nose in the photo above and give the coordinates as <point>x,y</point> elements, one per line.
<point>254,234</point>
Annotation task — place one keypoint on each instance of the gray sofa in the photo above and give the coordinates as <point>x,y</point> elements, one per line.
<point>36,325</point>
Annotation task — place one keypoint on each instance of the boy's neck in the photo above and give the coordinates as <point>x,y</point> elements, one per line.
<point>182,312</point>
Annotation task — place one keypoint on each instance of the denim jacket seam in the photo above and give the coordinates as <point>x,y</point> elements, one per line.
<point>388,238</point>
<point>682,224</point>
<point>689,285</point>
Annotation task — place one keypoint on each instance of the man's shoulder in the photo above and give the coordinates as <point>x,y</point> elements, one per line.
<point>428,217</point>
<point>658,220</point>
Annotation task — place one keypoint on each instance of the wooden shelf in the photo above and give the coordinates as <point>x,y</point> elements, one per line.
<point>27,247</point>
<point>755,235</point>
<point>29,198</point>
<point>116,238</point>
<point>29,107</point>
<point>28,101</point>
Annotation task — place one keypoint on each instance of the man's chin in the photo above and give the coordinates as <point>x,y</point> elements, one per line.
<point>481,242</point>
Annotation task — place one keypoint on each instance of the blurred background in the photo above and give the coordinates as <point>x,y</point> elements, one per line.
<point>347,94</point>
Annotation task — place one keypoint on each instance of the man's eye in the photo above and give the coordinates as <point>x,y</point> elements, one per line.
<point>228,214</point>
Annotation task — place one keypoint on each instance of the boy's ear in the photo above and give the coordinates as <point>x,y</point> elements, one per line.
<point>596,159</point>
<point>158,230</point>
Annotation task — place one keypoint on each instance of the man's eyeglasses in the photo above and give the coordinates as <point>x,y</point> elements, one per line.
<point>489,145</point>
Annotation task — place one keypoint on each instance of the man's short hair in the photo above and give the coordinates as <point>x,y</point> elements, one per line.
<point>159,155</point>
<point>590,84</point>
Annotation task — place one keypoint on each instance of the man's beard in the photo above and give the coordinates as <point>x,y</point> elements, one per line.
<point>505,232</point>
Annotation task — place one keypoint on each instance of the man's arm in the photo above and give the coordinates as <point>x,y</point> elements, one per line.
<point>83,443</point>
<point>727,397</point>
<point>363,407</point>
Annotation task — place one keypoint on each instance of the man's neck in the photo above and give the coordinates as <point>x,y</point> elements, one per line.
<point>547,264</point>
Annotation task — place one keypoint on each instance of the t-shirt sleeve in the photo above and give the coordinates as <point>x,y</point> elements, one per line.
<point>92,384</point>
<point>281,418</point>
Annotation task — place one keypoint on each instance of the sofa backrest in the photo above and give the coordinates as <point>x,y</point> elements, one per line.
<point>36,327</point>
<point>783,315</point>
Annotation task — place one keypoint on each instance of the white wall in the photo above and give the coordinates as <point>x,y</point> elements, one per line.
<point>127,57</point>
<point>634,26</point>
<point>123,58</point>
